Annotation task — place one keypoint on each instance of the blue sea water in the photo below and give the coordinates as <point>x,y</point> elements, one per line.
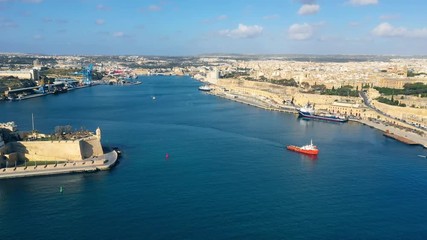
<point>228,175</point>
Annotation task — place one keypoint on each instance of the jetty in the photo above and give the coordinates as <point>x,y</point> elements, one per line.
<point>399,138</point>
<point>402,135</point>
<point>93,164</point>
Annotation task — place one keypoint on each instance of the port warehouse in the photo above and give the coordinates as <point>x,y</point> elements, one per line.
<point>59,84</point>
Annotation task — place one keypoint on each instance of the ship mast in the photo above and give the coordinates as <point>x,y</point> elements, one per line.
<point>32,120</point>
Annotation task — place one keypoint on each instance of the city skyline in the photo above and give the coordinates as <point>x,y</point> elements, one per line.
<point>202,27</point>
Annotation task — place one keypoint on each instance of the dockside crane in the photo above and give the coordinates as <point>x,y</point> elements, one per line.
<point>87,74</point>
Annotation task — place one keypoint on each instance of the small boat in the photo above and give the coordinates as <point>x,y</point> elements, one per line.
<point>308,112</point>
<point>307,149</point>
<point>118,151</point>
<point>11,98</point>
<point>205,88</point>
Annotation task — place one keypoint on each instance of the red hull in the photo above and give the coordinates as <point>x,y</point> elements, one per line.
<point>300,150</point>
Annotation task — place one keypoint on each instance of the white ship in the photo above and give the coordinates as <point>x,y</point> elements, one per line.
<point>205,88</point>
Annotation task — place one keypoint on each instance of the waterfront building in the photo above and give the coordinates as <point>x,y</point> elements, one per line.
<point>37,64</point>
<point>11,126</point>
<point>347,109</point>
<point>213,76</point>
<point>398,82</point>
<point>36,75</point>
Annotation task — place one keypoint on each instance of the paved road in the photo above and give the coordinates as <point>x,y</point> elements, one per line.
<point>368,104</point>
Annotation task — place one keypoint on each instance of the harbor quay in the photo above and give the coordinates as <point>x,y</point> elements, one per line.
<point>355,111</point>
<point>103,162</point>
<point>399,134</point>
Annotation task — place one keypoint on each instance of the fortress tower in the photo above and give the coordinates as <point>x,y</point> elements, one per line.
<point>98,133</point>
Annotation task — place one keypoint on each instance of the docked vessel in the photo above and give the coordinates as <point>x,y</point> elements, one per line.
<point>307,149</point>
<point>205,88</point>
<point>308,112</point>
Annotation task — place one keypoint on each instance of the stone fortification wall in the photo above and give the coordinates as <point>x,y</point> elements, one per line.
<point>47,150</point>
<point>412,101</point>
<point>90,147</point>
<point>414,115</point>
<point>283,93</point>
<point>265,86</point>
<point>304,98</point>
<point>398,82</point>
<point>56,150</point>
<point>259,89</point>
<point>322,102</point>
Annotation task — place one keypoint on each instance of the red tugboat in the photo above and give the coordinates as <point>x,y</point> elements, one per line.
<point>307,149</point>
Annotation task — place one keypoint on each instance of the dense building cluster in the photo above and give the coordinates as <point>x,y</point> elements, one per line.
<point>335,82</point>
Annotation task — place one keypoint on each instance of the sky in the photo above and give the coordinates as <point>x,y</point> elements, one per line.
<point>193,27</point>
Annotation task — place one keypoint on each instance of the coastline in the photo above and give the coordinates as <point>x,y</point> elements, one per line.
<point>396,133</point>
<point>255,102</point>
<point>400,135</point>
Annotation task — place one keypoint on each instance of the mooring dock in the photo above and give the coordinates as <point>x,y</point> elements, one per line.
<point>103,162</point>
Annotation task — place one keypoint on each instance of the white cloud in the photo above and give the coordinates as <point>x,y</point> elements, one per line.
<point>387,30</point>
<point>38,37</point>
<point>389,17</point>
<point>47,20</point>
<point>216,19</point>
<point>102,7</point>
<point>354,24</point>
<point>100,21</point>
<point>300,31</point>
<point>118,34</point>
<point>363,2</point>
<point>306,1</point>
<point>243,31</point>
<point>61,21</point>
<point>271,17</point>
<point>154,8</point>
<point>32,1</point>
<point>222,17</point>
<point>7,23</point>
<point>308,9</point>
<point>24,1</point>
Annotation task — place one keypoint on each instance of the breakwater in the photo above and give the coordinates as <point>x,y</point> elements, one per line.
<point>102,162</point>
